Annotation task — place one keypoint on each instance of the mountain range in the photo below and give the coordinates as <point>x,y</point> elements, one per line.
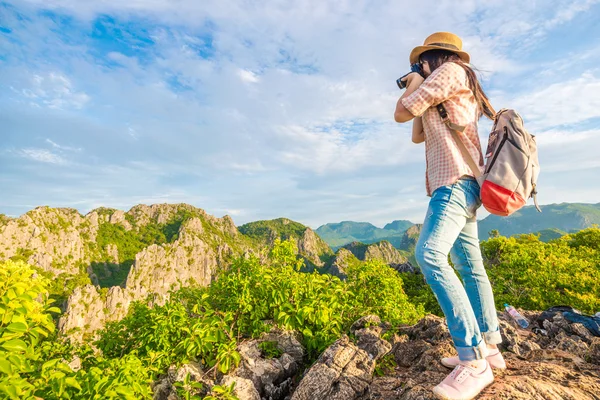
<point>338,234</point>
<point>103,261</point>
<point>554,221</point>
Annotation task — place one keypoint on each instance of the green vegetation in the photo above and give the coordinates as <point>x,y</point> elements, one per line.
<point>419,292</point>
<point>249,297</point>
<point>4,219</point>
<point>266,231</point>
<point>205,324</point>
<point>22,255</point>
<point>199,324</point>
<point>535,275</point>
<point>110,274</point>
<point>547,235</point>
<point>32,360</point>
<point>270,349</point>
<point>385,365</point>
<point>358,249</point>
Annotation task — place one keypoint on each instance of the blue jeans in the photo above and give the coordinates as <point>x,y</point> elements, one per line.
<point>450,227</point>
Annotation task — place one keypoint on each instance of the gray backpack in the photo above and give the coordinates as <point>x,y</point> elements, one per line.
<point>511,163</point>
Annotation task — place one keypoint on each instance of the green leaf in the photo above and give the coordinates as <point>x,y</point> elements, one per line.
<point>15,345</point>
<point>5,366</point>
<point>17,327</point>
<point>72,382</point>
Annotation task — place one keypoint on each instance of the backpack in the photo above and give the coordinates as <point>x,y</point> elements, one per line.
<point>511,163</point>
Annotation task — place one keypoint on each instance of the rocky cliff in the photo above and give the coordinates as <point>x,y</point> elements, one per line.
<point>148,250</point>
<point>53,239</point>
<point>378,361</point>
<point>355,252</point>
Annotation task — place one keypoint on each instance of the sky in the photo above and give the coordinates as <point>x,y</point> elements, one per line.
<point>271,108</point>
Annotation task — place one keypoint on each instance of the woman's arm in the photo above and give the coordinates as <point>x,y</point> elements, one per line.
<point>418,135</point>
<point>413,81</point>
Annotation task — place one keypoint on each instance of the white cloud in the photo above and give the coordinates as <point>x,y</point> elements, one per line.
<point>63,148</point>
<point>567,102</point>
<point>289,114</point>
<point>41,155</point>
<point>568,12</point>
<point>247,76</point>
<point>54,91</point>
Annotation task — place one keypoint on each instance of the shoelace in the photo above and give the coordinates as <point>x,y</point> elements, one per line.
<point>460,373</point>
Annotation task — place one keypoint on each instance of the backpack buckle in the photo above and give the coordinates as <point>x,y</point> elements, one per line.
<point>442,111</point>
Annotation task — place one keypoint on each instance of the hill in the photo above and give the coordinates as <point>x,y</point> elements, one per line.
<point>555,221</point>
<point>311,247</point>
<point>342,233</point>
<point>564,217</point>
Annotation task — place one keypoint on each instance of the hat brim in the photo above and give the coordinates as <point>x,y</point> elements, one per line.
<point>417,51</point>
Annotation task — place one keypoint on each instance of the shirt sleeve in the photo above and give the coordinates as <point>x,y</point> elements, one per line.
<point>443,83</point>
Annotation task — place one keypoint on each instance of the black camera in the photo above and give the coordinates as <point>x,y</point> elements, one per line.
<point>417,67</point>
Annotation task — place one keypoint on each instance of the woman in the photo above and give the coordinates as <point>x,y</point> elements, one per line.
<point>450,225</point>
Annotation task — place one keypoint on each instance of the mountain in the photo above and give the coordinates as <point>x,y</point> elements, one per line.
<point>342,233</point>
<point>555,221</point>
<point>101,262</point>
<point>399,225</point>
<point>564,218</point>
<point>311,247</point>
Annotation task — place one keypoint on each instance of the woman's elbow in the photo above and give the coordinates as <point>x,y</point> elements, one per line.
<point>402,115</point>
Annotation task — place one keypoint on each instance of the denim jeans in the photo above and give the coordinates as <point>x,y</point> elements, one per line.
<point>450,227</point>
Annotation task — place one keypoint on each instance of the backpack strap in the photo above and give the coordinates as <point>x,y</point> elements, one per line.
<point>456,130</point>
<point>534,195</point>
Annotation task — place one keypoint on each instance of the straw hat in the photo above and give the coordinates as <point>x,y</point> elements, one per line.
<point>442,41</point>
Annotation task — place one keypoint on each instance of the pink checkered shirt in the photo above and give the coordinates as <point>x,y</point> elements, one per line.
<point>445,163</point>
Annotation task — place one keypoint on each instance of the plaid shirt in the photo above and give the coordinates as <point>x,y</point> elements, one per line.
<point>445,163</point>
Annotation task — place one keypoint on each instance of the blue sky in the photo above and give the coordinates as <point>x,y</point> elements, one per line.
<point>266,109</point>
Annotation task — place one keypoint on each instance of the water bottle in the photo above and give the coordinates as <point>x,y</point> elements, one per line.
<point>518,318</point>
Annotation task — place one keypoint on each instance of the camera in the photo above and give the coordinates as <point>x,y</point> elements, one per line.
<point>417,67</point>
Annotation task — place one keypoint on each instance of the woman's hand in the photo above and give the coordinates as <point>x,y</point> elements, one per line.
<point>413,79</point>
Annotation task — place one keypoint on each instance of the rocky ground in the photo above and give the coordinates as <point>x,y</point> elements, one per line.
<point>563,363</point>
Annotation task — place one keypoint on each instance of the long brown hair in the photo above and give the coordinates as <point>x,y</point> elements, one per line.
<point>435,58</point>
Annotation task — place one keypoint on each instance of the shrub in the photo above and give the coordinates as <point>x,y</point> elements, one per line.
<point>535,275</point>
<point>32,360</point>
<point>249,298</point>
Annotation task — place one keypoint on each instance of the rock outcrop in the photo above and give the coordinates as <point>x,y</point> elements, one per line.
<point>313,248</point>
<point>157,270</point>
<point>410,237</point>
<point>259,376</point>
<point>377,251</point>
<point>538,367</point>
<point>345,369</point>
<point>53,239</point>
<point>356,251</point>
<point>315,251</point>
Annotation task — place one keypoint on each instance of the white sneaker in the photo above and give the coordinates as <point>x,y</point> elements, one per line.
<point>464,383</point>
<point>496,361</point>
